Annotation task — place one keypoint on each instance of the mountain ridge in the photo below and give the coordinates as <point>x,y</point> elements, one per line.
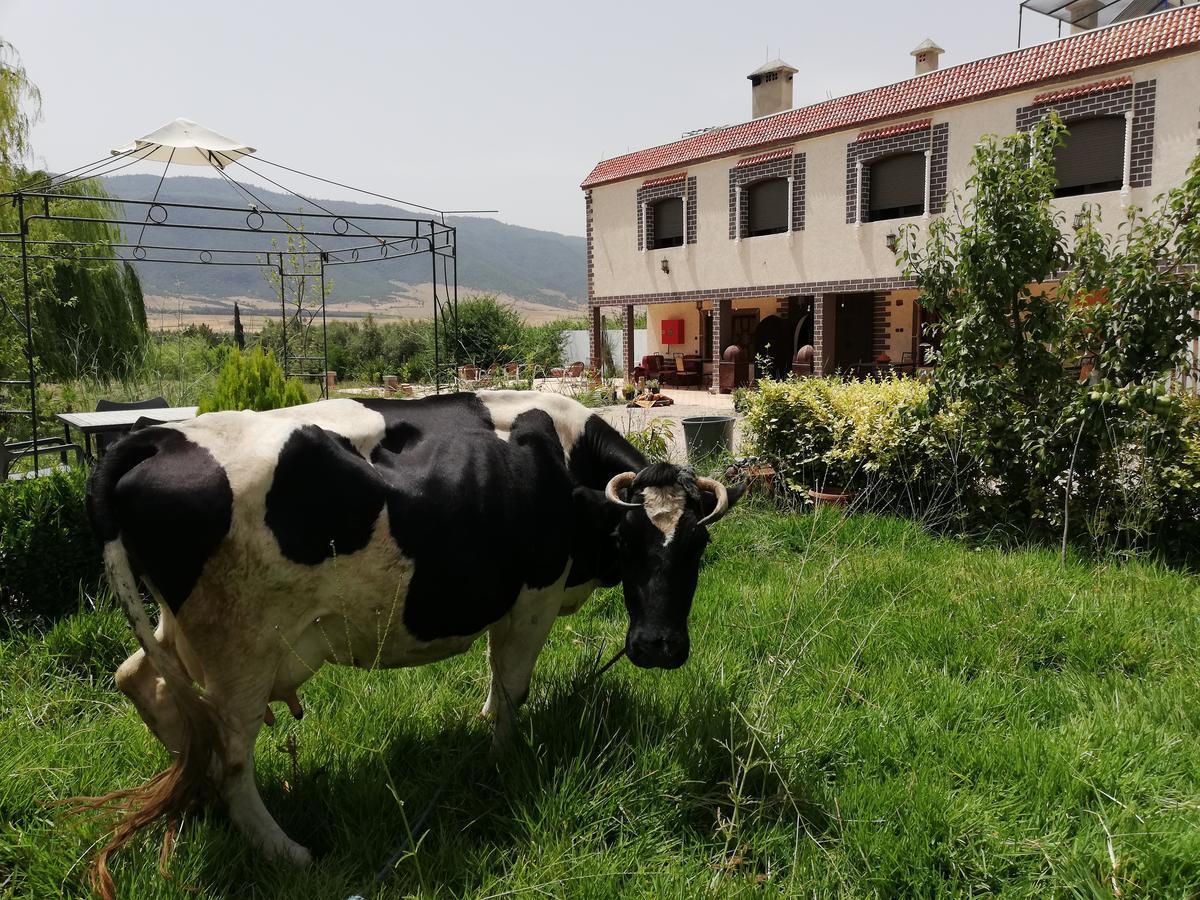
<point>542,267</point>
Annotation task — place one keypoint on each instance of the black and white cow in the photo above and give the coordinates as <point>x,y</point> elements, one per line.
<point>371,534</point>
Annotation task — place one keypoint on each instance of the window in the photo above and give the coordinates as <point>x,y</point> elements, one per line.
<point>667,217</point>
<point>768,207</point>
<point>897,187</point>
<point>1093,157</point>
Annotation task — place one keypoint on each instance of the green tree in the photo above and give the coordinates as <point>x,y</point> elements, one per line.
<point>1024,312</point>
<point>488,333</point>
<point>252,380</point>
<point>239,333</point>
<point>300,287</point>
<point>88,316</point>
<point>20,108</point>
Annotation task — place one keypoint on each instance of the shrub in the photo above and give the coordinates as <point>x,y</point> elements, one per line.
<point>653,439</point>
<point>252,380</point>
<point>488,333</point>
<point>851,434</point>
<point>46,545</point>
<point>1023,310</point>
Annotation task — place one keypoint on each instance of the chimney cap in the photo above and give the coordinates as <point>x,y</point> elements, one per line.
<point>926,46</point>
<point>775,65</point>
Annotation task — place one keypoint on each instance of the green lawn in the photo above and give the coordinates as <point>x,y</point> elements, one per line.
<point>868,711</point>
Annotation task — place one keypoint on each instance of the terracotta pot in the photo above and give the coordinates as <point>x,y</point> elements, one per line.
<point>831,498</point>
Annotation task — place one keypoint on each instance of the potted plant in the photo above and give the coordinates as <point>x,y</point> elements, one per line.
<point>652,387</point>
<point>628,391</point>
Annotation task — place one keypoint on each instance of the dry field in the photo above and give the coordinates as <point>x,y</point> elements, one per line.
<point>411,301</point>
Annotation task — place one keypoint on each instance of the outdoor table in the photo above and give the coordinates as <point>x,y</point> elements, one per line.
<point>90,423</point>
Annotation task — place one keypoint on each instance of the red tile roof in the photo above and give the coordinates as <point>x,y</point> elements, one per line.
<point>763,157</point>
<point>1081,90</point>
<point>1163,33</point>
<point>902,128</point>
<point>666,179</point>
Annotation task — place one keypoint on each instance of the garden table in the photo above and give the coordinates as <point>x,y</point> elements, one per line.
<point>118,420</point>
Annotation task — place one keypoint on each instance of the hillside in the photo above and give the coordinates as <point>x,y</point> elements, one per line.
<point>536,267</point>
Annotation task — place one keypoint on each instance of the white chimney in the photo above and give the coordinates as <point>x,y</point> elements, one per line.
<point>926,54</point>
<point>771,88</point>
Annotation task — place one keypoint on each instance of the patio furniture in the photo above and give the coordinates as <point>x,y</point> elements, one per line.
<point>118,421</point>
<point>13,451</point>
<point>651,367</point>
<point>105,440</point>
<point>683,374</point>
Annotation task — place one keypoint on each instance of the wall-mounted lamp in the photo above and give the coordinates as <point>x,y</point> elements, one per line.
<point>892,240</point>
<point>665,265</point>
<point>1080,220</point>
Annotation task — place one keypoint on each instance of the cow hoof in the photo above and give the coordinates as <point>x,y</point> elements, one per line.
<point>296,855</point>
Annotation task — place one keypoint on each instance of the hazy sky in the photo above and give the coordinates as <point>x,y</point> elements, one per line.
<point>459,105</point>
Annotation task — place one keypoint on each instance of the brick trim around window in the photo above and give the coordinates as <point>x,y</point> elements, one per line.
<point>743,175</point>
<point>1115,101</point>
<point>660,189</point>
<point>934,138</point>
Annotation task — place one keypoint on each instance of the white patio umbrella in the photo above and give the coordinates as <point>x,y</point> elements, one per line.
<point>187,143</point>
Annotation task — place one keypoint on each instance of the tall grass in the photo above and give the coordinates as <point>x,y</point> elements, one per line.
<point>868,711</point>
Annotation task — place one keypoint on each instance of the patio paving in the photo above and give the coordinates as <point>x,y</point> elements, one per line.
<point>687,403</point>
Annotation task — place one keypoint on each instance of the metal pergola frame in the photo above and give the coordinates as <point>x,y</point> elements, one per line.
<point>1062,11</point>
<point>338,239</point>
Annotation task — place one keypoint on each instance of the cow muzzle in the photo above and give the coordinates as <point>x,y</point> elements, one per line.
<point>657,650</point>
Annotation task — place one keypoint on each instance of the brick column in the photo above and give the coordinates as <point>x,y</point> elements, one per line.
<point>824,320</point>
<point>627,341</point>
<point>881,325</point>
<point>597,338</point>
<point>722,329</point>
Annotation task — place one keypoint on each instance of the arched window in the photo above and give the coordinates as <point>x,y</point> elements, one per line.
<point>897,187</point>
<point>1093,157</point>
<point>768,207</point>
<point>667,218</point>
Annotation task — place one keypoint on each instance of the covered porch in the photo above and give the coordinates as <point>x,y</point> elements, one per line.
<point>859,334</point>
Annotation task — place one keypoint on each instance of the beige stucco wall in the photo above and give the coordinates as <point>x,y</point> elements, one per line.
<point>692,333</point>
<point>693,326</point>
<point>831,250</point>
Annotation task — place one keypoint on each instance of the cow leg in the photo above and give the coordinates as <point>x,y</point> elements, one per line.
<point>513,647</point>
<point>242,703</point>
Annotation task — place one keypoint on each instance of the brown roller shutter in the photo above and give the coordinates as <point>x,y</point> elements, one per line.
<point>768,207</point>
<point>668,222</point>
<point>897,186</point>
<point>1093,158</point>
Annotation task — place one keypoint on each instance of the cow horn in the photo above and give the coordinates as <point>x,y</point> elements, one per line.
<point>708,484</point>
<point>614,486</point>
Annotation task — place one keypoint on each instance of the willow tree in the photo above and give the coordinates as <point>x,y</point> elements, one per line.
<point>20,108</point>
<point>88,316</point>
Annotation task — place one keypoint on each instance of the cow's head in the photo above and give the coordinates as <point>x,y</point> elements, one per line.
<point>660,540</point>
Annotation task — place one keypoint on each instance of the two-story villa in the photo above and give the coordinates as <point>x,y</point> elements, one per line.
<point>781,230</point>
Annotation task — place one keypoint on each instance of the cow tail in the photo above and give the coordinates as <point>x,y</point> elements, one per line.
<point>187,783</point>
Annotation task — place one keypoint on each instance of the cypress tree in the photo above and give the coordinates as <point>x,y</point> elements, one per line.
<point>239,335</point>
